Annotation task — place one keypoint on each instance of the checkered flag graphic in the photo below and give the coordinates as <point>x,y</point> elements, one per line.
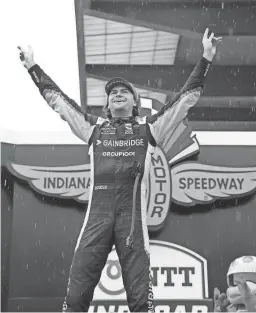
<point>149,106</point>
<point>185,146</point>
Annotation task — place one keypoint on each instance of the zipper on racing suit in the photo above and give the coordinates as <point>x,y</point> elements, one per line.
<point>135,173</point>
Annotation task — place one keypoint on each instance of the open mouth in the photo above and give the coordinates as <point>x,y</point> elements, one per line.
<point>120,101</point>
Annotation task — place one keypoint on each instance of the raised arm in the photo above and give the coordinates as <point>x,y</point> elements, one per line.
<point>169,123</point>
<point>81,123</point>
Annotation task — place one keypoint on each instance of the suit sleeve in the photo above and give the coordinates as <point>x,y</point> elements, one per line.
<point>81,123</point>
<point>169,123</point>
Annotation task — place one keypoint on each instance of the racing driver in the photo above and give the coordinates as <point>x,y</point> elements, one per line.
<point>120,149</point>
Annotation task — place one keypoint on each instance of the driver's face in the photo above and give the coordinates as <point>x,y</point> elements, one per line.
<point>121,98</point>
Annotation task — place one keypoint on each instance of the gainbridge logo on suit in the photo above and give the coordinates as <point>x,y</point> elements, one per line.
<point>170,180</point>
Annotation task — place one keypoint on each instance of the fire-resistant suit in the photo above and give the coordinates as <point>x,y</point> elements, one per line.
<point>120,151</point>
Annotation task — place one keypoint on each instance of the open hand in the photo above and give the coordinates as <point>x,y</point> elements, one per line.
<point>27,57</point>
<point>210,44</point>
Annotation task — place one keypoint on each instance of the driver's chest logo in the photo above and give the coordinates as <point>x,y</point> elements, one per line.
<point>128,129</point>
<point>108,130</point>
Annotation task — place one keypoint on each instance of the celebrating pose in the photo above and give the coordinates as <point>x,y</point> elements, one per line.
<point>120,149</point>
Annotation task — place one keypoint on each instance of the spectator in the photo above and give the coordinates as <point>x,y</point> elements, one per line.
<point>241,293</point>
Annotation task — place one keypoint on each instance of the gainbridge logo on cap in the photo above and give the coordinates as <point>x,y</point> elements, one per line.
<point>179,278</point>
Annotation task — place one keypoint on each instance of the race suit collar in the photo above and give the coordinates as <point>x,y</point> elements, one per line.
<point>120,120</point>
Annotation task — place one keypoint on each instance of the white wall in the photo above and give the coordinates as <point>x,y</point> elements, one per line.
<point>49,26</point>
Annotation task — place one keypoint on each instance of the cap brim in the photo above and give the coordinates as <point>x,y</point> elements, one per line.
<point>117,81</point>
